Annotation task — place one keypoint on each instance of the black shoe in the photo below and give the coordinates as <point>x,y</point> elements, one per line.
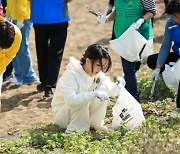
<point>48,92</point>
<point>6,78</point>
<point>40,87</point>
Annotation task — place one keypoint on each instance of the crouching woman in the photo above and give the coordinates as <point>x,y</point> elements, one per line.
<point>82,93</point>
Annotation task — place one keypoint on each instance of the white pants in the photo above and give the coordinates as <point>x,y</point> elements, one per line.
<point>80,118</point>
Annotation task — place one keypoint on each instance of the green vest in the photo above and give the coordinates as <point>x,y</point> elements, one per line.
<point>128,12</point>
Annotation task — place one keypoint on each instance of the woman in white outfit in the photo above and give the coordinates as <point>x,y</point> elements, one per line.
<point>82,93</point>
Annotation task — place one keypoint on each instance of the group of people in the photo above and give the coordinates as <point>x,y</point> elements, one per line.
<point>50,37</point>
<point>83,90</point>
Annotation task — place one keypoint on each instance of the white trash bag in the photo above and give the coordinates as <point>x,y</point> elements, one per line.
<point>127,110</point>
<point>129,45</point>
<point>171,74</point>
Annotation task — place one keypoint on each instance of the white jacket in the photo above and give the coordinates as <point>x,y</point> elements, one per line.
<point>74,90</point>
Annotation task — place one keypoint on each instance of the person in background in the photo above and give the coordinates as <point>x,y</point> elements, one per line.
<point>8,72</point>
<point>171,39</point>
<point>137,13</point>
<point>50,28</point>
<point>10,39</point>
<point>83,90</point>
<point>19,11</point>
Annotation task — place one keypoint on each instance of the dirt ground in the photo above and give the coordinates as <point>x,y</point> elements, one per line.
<point>23,106</point>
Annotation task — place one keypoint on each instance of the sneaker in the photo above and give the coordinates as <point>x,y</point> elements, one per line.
<point>175,113</point>
<point>40,87</point>
<point>48,92</point>
<point>6,78</point>
<point>15,81</point>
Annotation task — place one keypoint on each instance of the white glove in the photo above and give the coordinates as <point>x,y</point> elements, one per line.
<point>7,18</point>
<point>155,74</point>
<point>120,81</point>
<point>138,23</point>
<point>103,19</point>
<point>102,95</point>
<point>19,24</point>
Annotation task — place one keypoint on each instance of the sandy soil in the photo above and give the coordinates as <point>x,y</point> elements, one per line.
<point>23,106</point>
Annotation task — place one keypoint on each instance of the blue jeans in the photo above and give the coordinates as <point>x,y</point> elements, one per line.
<point>130,69</point>
<point>22,63</point>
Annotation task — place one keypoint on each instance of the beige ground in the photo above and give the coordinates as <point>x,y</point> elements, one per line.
<point>23,106</point>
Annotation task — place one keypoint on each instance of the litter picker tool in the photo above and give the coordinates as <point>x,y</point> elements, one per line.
<point>97,14</point>
<point>152,89</point>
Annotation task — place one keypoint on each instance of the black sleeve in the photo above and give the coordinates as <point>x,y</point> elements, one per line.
<point>4,4</point>
<point>111,2</point>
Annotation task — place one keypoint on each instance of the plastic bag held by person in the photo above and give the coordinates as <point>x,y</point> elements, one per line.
<point>127,110</point>
<point>171,74</point>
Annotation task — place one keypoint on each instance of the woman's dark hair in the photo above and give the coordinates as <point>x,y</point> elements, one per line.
<point>97,52</point>
<point>173,7</point>
<point>7,34</point>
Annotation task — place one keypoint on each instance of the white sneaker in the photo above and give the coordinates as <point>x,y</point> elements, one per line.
<point>175,113</point>
<point>14,80</point>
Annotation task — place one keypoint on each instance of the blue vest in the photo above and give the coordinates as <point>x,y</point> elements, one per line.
<point>174,31</point>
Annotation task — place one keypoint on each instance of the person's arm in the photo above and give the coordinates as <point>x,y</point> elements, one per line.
<point>112,15</point>
<point>23,9</point>
<point>165,48</point>
<point>68,88</point>
<point>150,8</point>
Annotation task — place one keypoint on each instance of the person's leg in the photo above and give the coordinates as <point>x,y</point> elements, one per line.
<point>22,63</point>
<point>41,41</point>
<point>130,78</point>
<point>152,60</point>
<point>97,112</point>
<point>8,73</point>
<point>58,34</point>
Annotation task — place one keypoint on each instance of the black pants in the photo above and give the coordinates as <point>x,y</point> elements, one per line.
<point>8,71</point>
<point>50,41</point>
<point>151,62</point>
<point>152,59</point>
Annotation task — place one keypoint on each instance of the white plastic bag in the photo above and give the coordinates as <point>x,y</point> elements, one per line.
<point>129,44</point>
<point>171,74</point>
<point>127,110</point>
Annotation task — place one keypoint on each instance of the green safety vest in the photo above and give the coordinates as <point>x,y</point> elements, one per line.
<point>128,12</point>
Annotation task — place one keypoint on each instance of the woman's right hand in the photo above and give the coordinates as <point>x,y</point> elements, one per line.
<point>102,95</point>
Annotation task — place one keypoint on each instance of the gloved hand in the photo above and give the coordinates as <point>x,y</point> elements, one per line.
<point>102,95</point>
<point>19,24</point>
<point>138,23</point>
<point>155,74</point>
<point>7,18</point>
<point>120,81</point>
<point>103,19</point>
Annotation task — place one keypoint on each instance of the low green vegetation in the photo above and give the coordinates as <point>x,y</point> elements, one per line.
<point>158,134</point>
